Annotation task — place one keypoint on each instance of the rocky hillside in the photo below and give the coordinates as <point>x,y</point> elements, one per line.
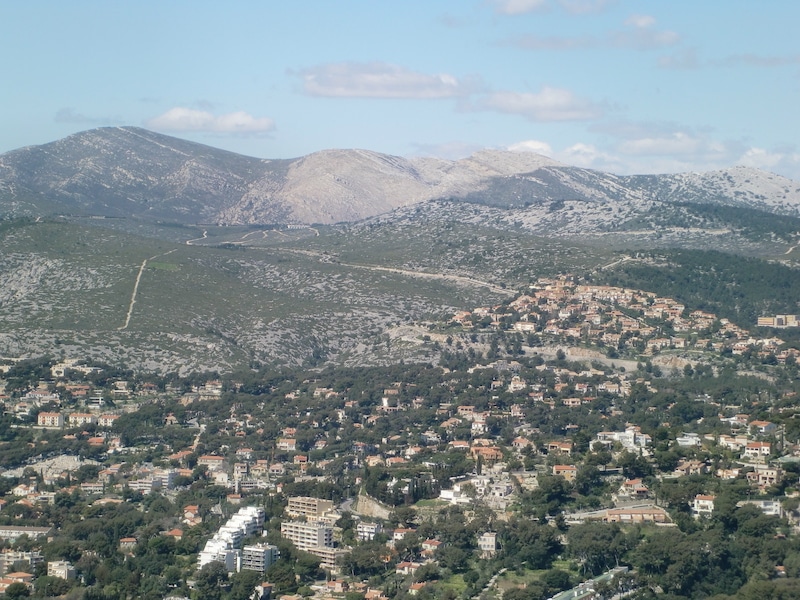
<point>135,173</point>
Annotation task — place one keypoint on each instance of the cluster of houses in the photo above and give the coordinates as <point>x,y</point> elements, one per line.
<point>251,461</point>
<point>622,318</point>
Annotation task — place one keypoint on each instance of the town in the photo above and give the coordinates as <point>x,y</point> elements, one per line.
<point>576,441</point>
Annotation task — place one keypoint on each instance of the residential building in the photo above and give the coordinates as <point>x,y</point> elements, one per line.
<point>702,506</point>
<point>367,531</point>
<point>307,535</point>
<point>487,543</point>
<point>259,557</point>
<point>50,419</point>
<point>568,472</point>
<point>61,568</point>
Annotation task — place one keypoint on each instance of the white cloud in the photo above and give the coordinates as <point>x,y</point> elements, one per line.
<point>518,7</point>
<point>589,156</point>
<point>685,59</point>
<point>786,163</point>
<point>190,119</point>
<point>582,7</point>
<point>677,143</point>
<point>448,150</point>
<point>664,153</point>
<point>642,35</point>
<point>381,80</point>
<point>535,42</point>
<point>755,60</point>
<point>640,21</point>
<point>535,146</point>
<point>551,104</point>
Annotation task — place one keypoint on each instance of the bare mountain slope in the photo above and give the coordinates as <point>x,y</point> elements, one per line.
<point>135,173</point>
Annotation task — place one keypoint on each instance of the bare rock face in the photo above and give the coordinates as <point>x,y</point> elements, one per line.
<point>132,172</point>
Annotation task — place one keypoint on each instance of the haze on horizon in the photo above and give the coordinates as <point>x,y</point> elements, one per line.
<point>617,85</point>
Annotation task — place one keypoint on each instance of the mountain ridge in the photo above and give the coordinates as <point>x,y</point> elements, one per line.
<point>135,173</point>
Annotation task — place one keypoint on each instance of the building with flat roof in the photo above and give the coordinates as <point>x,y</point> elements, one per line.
<point>259,557</point>
<point>308,507</point>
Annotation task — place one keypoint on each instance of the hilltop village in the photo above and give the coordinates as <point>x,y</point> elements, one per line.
<point>577,441</point>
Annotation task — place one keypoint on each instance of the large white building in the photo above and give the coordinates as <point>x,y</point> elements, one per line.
<point>224,546</point>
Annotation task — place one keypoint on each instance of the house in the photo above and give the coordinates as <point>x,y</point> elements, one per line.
<point>414,588</point>
<point>520,443</point>
<point>127,544</point>
<point>487,453</point>
<point>702,506</point>
<point>771,508</point>
<point>487,543</point>
<point>763,427</point>
<point>399,533</point>
<point>568,472</point>
<point>756,450</point>
<point>338,586</point>
<point>287,444</point>
<point>559,448</point>
<point>407,568</point>
<point>211,461</point>
<point>690,467</point>
<point>176,534</point>
<point>651,514</point>
<point>430,546</point>
<point>61,568</point>
<point>634,488</point>
<point>764,476</point>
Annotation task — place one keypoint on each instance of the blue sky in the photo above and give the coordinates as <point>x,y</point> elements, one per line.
<point>623,86</point>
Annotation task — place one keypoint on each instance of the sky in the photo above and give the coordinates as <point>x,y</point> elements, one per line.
<point>618,85</point>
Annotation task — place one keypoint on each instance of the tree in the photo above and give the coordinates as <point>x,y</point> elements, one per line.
<point>452,558</point>
<point>556,580</point>
<point>282,576</point>
<point>598,546</point>
<point>209,580</point>
<point>243,584</point>
<point>525,541</point>
<point>364,560</point>
<point>17,590</point>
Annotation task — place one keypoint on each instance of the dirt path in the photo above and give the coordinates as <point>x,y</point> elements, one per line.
<point>136,288</point>
<point>190,242</point>
<point>409,273</point>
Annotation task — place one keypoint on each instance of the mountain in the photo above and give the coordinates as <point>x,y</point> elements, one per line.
<point>135,173</point>
<point>132,172</point>
<point>161,288</point>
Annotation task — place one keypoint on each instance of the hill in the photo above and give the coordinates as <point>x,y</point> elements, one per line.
<point>138,174</point>
<point>168,281</point>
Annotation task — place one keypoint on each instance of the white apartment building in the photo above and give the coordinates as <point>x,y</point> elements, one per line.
<point>307,536</point>
<point>50,419</point>
<point>224,546</point>
<point>259,557</point>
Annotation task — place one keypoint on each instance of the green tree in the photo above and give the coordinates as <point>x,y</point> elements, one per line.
<point>243,584</point>
<point>209,581</point>
<point>17,590</point>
